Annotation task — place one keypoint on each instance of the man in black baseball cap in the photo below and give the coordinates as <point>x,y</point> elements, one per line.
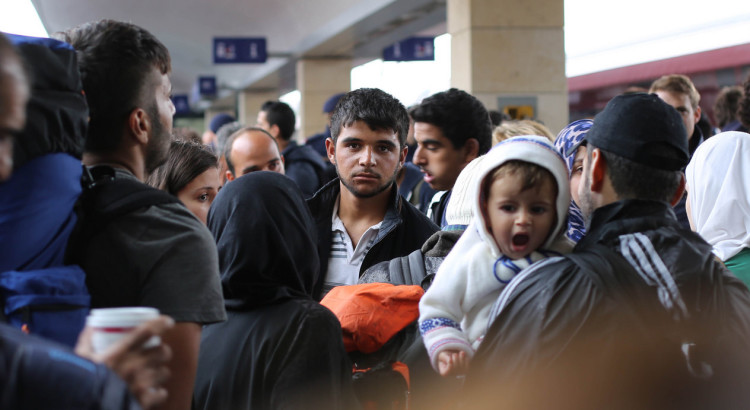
<point>614,321</point>
<point>642,138</point>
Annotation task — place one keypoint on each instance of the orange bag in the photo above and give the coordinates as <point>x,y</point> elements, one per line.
<point>372,313</point>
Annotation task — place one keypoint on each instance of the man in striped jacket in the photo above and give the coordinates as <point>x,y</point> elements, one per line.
<point>640,315</point>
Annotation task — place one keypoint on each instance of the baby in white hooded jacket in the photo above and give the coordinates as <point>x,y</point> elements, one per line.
<point>521,201</point>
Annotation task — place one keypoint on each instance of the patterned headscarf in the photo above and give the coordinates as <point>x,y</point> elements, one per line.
<point>568,137</point>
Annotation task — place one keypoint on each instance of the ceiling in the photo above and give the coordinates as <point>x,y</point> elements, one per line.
<point>294,29</point>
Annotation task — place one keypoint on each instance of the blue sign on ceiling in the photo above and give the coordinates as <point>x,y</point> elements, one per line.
<point>181,104</point>
<point>229,50</point>
<point>207,86</point>
<point>411,49</point>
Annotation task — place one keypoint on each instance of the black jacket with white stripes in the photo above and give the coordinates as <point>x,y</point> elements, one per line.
<point>558,340</point>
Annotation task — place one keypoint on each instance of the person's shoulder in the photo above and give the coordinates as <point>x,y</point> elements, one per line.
<point>316,138</point>
<point>551,281</point>
<point>170,217</point>
<point>414,218</point>
<point>304,154</point>
<point>324,199</point>
<point>312,315</point>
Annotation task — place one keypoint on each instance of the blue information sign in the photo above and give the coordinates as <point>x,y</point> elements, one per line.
<point>228,50</point>
<point>411,49</point>
<point>181,104</point>
<point>207,86</point>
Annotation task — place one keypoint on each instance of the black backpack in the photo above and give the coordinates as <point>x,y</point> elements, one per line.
<point>686,359</point>
<point>104,199</point>
<point>53,302</point>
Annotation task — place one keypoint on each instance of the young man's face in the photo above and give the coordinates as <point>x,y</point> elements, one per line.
<point>262,122</point>
<point>366,160</point>
<point>681,103</point>
<point>437,157</point>
<point>519,221</point>
<point>160,113</point>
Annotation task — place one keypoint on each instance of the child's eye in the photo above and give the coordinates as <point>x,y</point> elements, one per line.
<point>538,209</point>
<point>508,208</point>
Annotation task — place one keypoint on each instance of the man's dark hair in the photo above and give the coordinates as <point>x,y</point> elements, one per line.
<point>185,162</point>
<point>230,142</point>
<point>281,115</point>
<point>727,104</point>
<point>459,115</point>
<point>376,108</point>
<point>744,111</point>
<point>497,117</point>
<point>632,180</point>
<point>115,60</point>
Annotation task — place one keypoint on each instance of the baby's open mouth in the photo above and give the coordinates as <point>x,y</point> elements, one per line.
<point>520,239</point>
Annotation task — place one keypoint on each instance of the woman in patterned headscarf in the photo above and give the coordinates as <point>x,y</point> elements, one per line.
<point>569,137</point>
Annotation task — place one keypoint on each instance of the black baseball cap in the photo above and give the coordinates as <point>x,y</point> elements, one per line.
<point>642,128</point>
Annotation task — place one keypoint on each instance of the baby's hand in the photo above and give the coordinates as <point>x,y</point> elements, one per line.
<point>452,363</point>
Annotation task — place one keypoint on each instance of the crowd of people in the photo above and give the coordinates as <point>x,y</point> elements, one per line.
<point>520,269</point>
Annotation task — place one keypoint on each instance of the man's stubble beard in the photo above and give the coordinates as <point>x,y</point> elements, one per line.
<point>159,142</point>
<point>359,194</point>
<point>584,194</point>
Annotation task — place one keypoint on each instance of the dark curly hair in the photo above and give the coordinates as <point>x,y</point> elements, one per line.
<point>114,59</point>
<point>376,108</point>
<point>727,104</point>
<point>459,115</point>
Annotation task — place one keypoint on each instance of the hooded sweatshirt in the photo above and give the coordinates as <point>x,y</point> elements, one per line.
<point>454,312</point>
<point>278,347</point>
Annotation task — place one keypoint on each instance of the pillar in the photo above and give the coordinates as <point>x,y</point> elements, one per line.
<point>249,103</point>
<point>511,50</point>
<point>318,80</point>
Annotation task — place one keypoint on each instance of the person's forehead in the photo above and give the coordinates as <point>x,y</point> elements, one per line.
<point>360,130</point>
<point>158,81</point>
<point>674,97</point>
<point>425,131</point>
<point>256,141</point>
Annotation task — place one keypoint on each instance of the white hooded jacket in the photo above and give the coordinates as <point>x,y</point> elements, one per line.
<point>455,310</point>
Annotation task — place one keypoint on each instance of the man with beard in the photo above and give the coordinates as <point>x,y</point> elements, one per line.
<point>640,314</point>
<point>156,254</point>
<point>360,217</point>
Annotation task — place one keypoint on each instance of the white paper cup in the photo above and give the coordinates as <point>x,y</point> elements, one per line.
<point>112,324</point>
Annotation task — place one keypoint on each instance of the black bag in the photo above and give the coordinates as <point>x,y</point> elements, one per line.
<point>679,362</point>
<point>104,199</point>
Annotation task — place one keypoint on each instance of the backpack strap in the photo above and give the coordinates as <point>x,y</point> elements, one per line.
<point>407,270</point>
<point>417,269</point>
<point>104,199</point>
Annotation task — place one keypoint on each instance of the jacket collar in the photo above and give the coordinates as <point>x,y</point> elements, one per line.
<point>328,193</point>
<point>627,216</point>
